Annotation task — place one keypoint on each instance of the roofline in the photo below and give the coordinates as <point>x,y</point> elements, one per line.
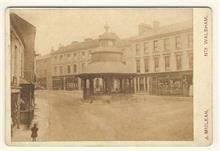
<point>161,35</point>
<point>11,13</point>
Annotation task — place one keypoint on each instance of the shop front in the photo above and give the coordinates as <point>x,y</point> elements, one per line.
<point>71,83</point>
<point>15,107</point>
<point>27,102</point>
<point>173,83</point>
<point>58,83</point>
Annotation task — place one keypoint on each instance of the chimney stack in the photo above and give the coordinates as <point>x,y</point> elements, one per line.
<point>144,28</point>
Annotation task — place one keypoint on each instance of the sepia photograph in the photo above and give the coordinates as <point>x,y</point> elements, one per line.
<point>101,74</point>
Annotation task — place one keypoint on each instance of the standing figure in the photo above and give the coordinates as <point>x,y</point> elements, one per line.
<point>34,131</point>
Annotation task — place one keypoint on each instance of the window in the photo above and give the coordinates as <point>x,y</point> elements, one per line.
<point>146,64</point>
<point>55,58</point>
<point>190,40</point>
<point>61,69</point>
<point>75,68</point>
<point>68,69</point>
<point>166,44</point>
<point>156,45</point>
<point>167,63</point>
<point>190,60</point>
<point>178,62</point>
<point>137,47</point>
<point>178,42</point>
<point>55,70</point>
<point>61,57</point>
<point>68,55</point>
<point>156,64</point>
<point>145,47</point>
<point>83,53</point>
<point>138,66</point>
<point>15,59</point>
<point>74,55</point>
<point>83,67</point>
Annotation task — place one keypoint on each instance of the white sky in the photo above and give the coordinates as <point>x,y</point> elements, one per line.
<point>62,26</point>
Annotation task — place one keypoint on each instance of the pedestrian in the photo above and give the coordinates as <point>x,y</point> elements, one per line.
<point>34,131</point>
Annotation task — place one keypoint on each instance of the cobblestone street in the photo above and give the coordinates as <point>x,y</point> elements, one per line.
<point>61,116</point>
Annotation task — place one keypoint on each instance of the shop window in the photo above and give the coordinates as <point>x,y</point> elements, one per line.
<point>167,63</point>
<point>176,86</point>
<point>138,66</point>
<point>179,62</point>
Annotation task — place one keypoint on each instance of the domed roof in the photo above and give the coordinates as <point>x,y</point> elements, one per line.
<point>108,35</point>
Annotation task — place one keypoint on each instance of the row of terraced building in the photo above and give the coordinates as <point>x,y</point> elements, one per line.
<point>160,56</point>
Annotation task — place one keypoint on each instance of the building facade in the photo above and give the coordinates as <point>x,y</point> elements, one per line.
<point>68,61</point>
<point>161,57</point>
<point>164,59</point>
<point>43,72</point>
<point>17,72</point>
<point>22,70</point>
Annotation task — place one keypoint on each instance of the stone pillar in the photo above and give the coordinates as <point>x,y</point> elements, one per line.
<point>134,84</point>
<point>144,84</point>
<point>79,86</point>
<point>148,85</point>
<point>120,81</point>
<point>91,86</point>
<point>64,83</point>
<point>129,85</point>
<point>105,85</point>
<point>84,88</point>
<point>138,84</point>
